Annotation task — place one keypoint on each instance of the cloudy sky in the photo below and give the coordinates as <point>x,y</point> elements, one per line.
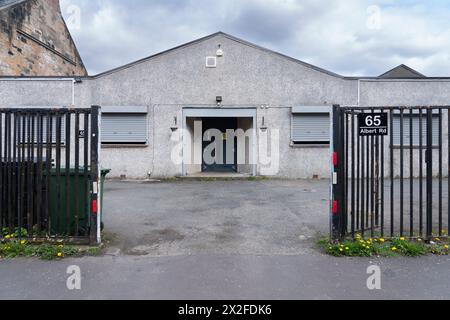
<point>349,37</point>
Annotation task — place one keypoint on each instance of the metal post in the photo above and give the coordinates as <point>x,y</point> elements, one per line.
<point>429,160</point>
<point>421,148</point>
<point>338,176</point>
<point>353,207</point>
<point>411,173</point>
<point>402,170</point>
<point>441,173</point>
<point>391,171</point>
<point>94,234</point>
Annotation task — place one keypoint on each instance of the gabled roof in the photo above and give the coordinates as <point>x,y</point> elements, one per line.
<point>220,33</point>
<point>9,3</point>
<point>402,71</point>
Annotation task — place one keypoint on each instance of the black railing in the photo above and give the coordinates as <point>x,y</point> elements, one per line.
<point>48,169</point>
<point>391,183</point>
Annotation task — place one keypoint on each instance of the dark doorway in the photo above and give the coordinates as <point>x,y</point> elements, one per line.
<point>221,124</point>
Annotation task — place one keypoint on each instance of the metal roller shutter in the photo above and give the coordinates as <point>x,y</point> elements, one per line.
<point>311,128</point>
<point>45,123</point>
<point>63,130</point>
<point>124,128</point>
<point>416,130</point>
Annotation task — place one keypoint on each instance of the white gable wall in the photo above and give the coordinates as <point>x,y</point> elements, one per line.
<point>246,76</point>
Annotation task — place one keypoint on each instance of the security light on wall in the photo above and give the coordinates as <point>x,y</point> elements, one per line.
<point>174,128</point>
<point>219,51</point>
<point>263,126</point>
<point>219,100</point>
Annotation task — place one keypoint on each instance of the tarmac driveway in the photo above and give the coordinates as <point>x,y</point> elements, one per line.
<point>267,217</point>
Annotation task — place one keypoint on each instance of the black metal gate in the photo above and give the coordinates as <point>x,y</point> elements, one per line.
<point>390,183</point>
<point>49,174</point>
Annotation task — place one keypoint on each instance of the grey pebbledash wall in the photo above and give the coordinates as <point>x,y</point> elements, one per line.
<point>247,76</point>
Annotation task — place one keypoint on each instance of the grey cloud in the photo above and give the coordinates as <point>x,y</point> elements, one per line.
<point>330,34</point>
<point>275,24</point>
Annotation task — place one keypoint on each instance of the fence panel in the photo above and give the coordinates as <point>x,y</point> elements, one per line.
<point>49,163</point>
<point>390,172</point>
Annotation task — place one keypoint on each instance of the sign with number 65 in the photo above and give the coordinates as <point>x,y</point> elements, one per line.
<point>373,124</point>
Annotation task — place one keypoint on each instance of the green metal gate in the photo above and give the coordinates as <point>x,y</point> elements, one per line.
<point>49,175</point>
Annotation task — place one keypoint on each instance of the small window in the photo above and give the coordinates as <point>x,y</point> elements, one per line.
<point>415,131</point>
<point>311,128</point>
<point>124,128</point>
<point>211,62</point>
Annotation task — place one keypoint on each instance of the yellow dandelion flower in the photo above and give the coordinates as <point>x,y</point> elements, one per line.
<point>394,249</point>
<point>23,242</point>
<point>446,246</point>
<point>402,239</point>
<point>347,248</point>
<point>341,250</point>
<point>8,237</point>
<point>382,240</point>
<point>59,254</point>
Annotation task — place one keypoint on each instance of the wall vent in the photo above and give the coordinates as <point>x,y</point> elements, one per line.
<point>211,62</point>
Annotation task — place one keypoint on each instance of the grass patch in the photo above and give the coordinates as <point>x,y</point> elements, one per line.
<point>21,248</point>
<point>92,251</point>
<point>13,246</point>
<point>208,179</point>
<point>171,179</point>
<point>258,178</point>
<point>379,247</point>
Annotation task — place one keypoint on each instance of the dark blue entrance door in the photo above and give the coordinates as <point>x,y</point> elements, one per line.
<point>220,164</point>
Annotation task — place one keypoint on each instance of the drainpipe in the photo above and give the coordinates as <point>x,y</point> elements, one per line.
<point>73,93</point>
<point>359,92</point>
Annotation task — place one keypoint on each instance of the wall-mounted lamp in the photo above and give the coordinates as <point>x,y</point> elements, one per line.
<point>174,128</point>
<point>219,51</point>
<point>263,126</point>
<point>219,100</point>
